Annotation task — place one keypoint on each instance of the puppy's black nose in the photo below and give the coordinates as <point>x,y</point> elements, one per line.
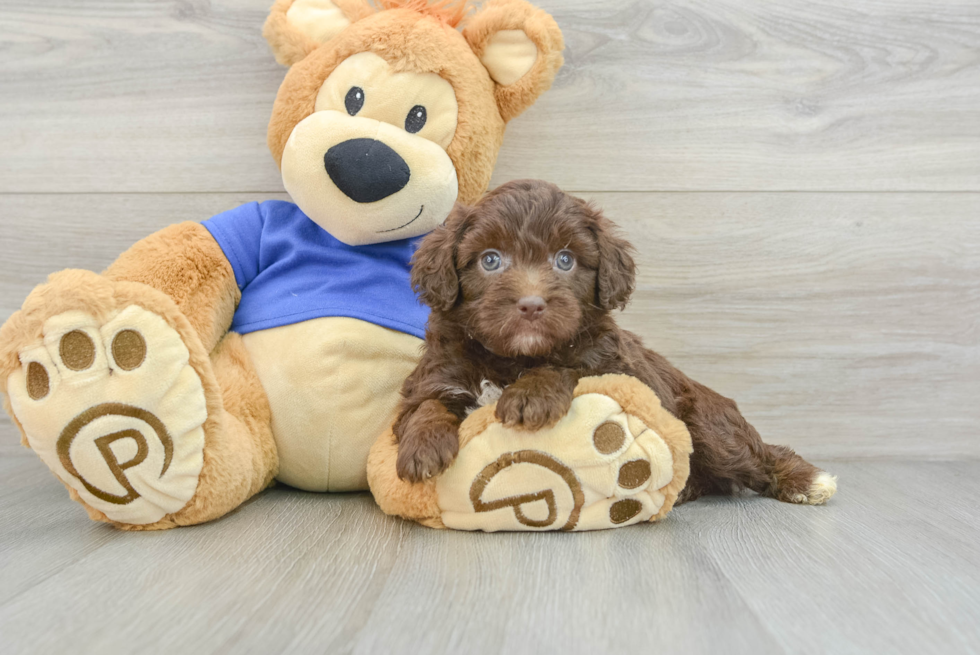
<point>366,170</point>
<point>531,307</point>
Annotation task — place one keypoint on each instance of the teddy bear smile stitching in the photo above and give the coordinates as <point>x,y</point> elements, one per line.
<point>421,209</point>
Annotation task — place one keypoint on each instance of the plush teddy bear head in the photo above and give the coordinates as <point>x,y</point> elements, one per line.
<point>389,114</point>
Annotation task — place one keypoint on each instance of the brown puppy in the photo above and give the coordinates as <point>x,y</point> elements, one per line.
<point>521,287</point>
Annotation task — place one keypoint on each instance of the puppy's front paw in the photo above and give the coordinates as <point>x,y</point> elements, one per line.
<point>532,409</point>
<point>424,455</point>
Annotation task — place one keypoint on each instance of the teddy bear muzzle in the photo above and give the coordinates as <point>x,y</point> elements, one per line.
<point>366,181</point>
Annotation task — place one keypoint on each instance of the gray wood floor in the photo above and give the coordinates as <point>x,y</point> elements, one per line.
<point>891,565</point>
<point>802,181</point>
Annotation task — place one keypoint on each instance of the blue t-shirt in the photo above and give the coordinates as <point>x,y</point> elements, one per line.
<point>290,269</point>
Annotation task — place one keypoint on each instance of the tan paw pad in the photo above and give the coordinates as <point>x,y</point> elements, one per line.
<point>597,468</point>
<point>115,410</point>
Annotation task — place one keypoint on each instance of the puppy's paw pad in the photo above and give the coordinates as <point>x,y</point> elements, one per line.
<point>115,410</point>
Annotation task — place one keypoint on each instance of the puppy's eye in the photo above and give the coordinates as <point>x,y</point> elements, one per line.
<point>490,260</point>
<point>415,120</point>
<point>564,260</point>
<point>354,100</point>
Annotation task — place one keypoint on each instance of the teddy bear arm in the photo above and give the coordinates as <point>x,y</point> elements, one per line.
<point>186,263</point>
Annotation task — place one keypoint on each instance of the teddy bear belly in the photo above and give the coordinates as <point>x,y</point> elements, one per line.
<point>333,385</point>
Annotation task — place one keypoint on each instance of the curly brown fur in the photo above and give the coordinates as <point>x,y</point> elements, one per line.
<point>477,333</point>
<point>538,399</point>
<point>428,440</point>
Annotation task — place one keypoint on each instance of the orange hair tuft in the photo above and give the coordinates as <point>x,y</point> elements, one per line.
<point>450,12</point>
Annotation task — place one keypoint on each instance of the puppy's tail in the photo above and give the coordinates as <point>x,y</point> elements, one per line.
<point>792,479</point>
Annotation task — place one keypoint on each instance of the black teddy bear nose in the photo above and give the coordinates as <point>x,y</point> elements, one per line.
<point>366,170</point>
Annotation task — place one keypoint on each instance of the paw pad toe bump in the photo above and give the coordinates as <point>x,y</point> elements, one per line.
<point>623,510</point>
<point>634,474</point>
<point>608,438</point>
<point>38,383</point>
<point>77,350</point>
<point>128,349</point>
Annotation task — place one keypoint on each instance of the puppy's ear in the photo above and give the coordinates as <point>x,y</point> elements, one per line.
<point>434,275</point>
<point>295,28</point>
<point>520,46</point>
<point>617,270</point>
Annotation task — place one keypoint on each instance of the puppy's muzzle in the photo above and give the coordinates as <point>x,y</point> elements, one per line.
<point>531,307</point>
<point>366,170</point>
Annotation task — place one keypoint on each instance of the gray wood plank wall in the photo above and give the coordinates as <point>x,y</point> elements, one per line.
<point>802,180</point>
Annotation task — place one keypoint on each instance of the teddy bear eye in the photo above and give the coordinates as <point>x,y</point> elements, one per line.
<point>354,100</point>
<point>415,120</point>
<point>490,260</point>
<point>564,261</point>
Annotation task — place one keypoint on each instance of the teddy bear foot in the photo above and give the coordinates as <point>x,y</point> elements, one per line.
<point>112,406</point>
<point>599,467</point>
<point>617,458</point>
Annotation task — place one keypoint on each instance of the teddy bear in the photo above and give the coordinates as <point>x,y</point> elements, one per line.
<point>270,342</point>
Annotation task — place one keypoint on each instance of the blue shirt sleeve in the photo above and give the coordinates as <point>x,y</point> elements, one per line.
<point>239,233</point>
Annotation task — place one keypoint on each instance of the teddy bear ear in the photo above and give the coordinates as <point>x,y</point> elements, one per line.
<point>295,28</point>
<point>520,46</point>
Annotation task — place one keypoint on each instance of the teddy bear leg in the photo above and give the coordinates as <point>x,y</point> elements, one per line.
<point>184,262</point>
<point>113,389</point>
<point>240,458</point>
